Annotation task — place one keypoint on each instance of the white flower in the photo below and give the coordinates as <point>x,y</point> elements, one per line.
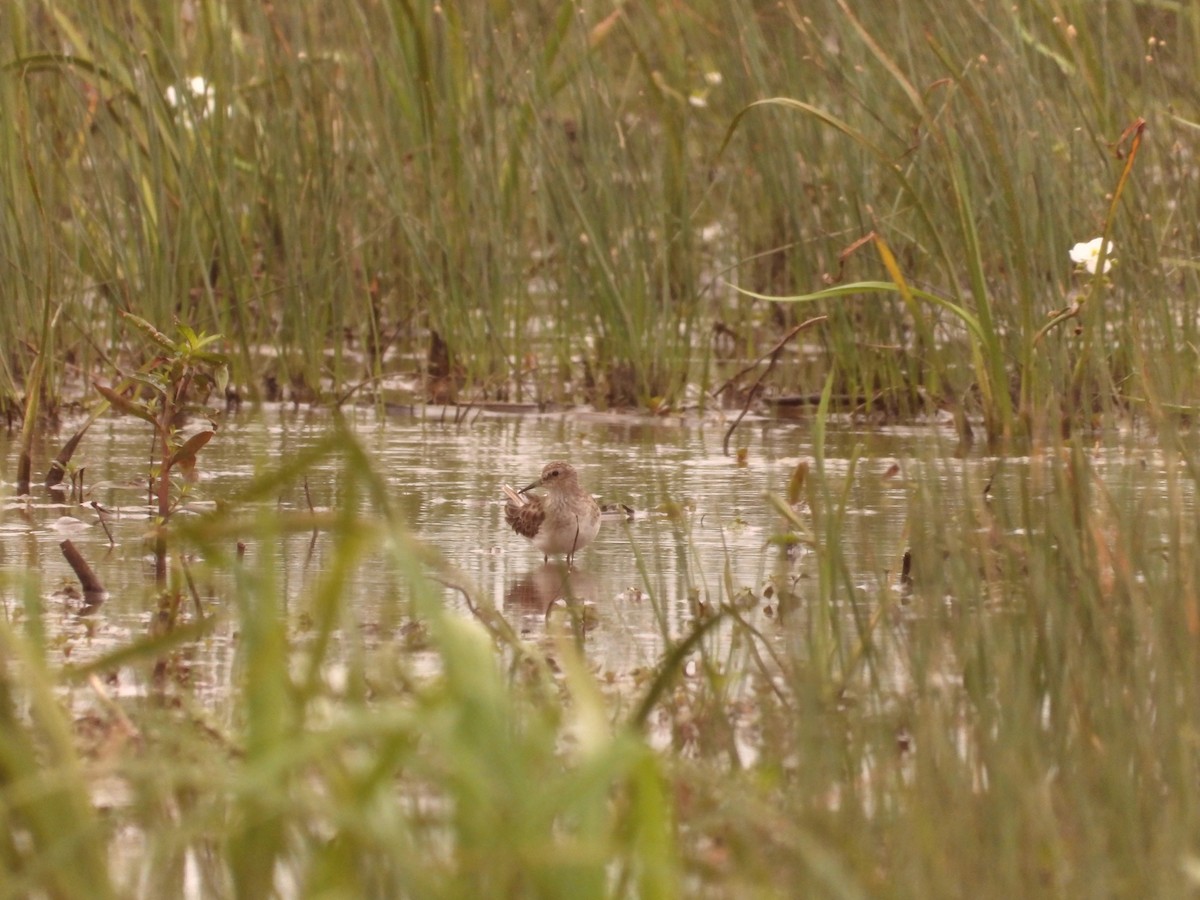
<point>202,95</point>
<point>1087,255</point>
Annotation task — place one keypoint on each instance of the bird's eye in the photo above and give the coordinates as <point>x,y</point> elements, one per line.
<point>553,473</point>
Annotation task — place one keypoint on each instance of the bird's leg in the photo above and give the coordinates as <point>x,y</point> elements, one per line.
<point>574,545</point>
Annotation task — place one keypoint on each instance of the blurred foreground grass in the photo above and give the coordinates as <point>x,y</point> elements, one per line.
<point>1021,720</point>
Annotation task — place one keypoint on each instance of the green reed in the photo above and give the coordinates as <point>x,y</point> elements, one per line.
<point>967,224</point>
<point>542,189</point>
<point>1020,723</point>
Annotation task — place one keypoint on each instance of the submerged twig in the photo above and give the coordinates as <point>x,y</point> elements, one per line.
<point>495,623</point>
<point>772,356</point>
<point>187,575</point>
<point>87,578</point>
<point>102,514</point>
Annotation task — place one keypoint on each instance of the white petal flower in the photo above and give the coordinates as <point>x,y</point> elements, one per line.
<point>1086,255</point>
<point>202,95</point>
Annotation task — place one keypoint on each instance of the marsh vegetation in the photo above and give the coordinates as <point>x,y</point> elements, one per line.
<point>935,636</point>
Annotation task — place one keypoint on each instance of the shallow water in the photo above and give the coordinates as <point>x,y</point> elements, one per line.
<point>641,577</point>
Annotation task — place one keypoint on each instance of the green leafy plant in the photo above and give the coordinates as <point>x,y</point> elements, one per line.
<point>179,368</point>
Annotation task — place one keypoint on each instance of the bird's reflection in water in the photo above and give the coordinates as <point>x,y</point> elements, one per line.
<point>554,586</point>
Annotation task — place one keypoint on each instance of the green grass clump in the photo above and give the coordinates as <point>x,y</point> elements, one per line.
<point>543,189</point>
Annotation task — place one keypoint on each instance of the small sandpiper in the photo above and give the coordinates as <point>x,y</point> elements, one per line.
<point>562,520</point>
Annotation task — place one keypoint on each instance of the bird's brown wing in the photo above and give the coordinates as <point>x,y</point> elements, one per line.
<point>524,514</point>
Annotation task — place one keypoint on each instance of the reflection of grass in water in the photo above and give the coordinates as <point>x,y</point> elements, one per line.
<point>1024,717</point>
<point>351,184</point>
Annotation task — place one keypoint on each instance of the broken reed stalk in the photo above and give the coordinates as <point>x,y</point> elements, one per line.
<point>87,578</point>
